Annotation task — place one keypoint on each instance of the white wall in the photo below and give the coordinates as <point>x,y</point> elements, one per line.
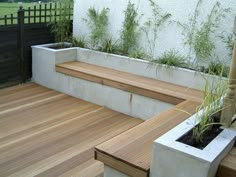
<point>171,36</point>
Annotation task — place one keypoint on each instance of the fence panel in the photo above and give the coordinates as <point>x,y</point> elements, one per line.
<point>9,63</point>
<point>18,32</point>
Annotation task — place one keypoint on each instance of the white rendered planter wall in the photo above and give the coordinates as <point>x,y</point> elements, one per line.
<point>44,61</point>
<point>175,159</point>
<point>110,172</point>
<point>179,76</point>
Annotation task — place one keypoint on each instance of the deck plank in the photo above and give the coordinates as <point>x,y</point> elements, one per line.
<point>227,166</point>
<point>89,168</point>
<point>46,133</point>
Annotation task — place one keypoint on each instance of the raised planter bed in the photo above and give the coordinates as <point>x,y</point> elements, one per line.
<point>44,64</point>
<point>173,158</point>
<point>179,76</point>
<point>175,75</point>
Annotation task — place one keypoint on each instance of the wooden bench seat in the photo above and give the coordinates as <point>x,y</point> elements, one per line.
<point>163,91</point>
<point>130,152</point>
<point>227,166</point>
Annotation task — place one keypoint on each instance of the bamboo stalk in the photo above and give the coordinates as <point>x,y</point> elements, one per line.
<point>229,105</point>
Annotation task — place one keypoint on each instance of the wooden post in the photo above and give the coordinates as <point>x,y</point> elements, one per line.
<point>229,106</point>
<point>55,12</point>
<point>5,19</point>
<point>40,13</point>
<point>45,13</point>
<point>50,10</point>
<point>11,19</point>
<point>20,43</point>
<point>35,14</point>
<point>29,15</point>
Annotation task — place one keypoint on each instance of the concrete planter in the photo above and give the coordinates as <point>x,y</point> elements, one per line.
<point>179,76</point>
<point>43,66</point>
<point>45,59</point>
<point>175,159</point>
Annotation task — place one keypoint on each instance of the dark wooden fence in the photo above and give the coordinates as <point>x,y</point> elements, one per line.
<point>18,32</point>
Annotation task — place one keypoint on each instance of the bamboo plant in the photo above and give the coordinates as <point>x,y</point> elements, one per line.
<point>61,27</point>
<point>229,103</point>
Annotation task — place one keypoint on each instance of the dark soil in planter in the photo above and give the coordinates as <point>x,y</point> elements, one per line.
<point>58,47</point>
<point>208,136</point>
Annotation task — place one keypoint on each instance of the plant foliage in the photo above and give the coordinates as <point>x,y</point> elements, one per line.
<point>78,42</point>
<point>199,38</point>
<point>138,53</point>
<point>130,32</point>
<point>98,23</point>
<point>218,68</point>
<point>109,46</point>
<point>62,27</point>
<point>153,26</point>
<point>227,39</point>
<point>210,106</point>
<point>171,58</point>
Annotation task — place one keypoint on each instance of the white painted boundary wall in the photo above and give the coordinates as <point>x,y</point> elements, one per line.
<point>170,37</point>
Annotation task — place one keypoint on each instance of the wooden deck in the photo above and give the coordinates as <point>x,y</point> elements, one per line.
<point>45,133</point>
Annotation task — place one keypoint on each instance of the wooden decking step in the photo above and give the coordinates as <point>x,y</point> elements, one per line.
<point>130,152</point>
<point>227,166</point>
<point>148,87</point>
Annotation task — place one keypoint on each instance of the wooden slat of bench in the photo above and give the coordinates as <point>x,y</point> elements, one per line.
<point>134,147</point>
<point>120,85</point>
<point>129,82</point>
<point>227,166</point>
